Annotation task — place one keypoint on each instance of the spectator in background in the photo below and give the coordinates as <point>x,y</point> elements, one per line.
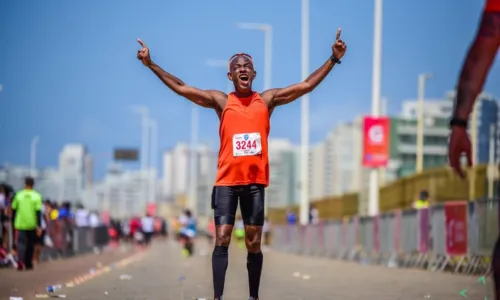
<point>313,215</point>
<point>54,211</point>
<point>157,226</point>
<point>94,220</point>
<point>164,228</point>
<point>148,228</point>
<point>3,207</point>
<point>40,239</point>
<point>5,228</point>
<point>82,216</point>
<point>422,201</point>
<point>65,212</point>
<point>291,218</point>
<point>27,216</point>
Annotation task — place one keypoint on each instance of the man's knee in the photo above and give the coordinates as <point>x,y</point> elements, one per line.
<point>223,236</point>
<point>253,240</point>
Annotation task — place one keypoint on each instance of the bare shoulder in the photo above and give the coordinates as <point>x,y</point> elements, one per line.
<point>219,98</point>
<point>268,96</point>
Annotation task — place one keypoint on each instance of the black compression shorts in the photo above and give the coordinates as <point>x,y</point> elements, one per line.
<point>225,203</point>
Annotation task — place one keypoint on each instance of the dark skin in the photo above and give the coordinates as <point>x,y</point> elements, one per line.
<point>472,78</point>
<point>242,74</point>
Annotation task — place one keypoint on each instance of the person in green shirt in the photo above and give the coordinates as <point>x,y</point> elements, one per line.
<point>26,214</point>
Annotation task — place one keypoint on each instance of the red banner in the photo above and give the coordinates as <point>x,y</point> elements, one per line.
<point>455,214</point>
<point>375,142</point>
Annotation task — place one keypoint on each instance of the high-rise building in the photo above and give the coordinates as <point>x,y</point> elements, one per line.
<point>176,172</point>
<point>72,168</point>
<point>206,172</point>
<point>283,172</point>
<point>436,115</point>
<point>343,165</point>
<point>47,181</point>
<point>89,169</point>
<point>122,193</point>
<point>317,171</point>
<point>176,182</point>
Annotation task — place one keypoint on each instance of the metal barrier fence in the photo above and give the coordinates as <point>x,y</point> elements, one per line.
<point>68,240</point>
<point>456,236</point>
<point>63,239</point>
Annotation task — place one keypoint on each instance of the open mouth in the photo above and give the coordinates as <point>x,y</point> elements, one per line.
<point>244,78</point>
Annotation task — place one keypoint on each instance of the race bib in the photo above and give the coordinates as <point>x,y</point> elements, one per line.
<point>246,144</point>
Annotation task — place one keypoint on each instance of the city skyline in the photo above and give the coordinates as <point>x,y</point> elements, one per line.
<point>91,107</point>
<point>335,164</point>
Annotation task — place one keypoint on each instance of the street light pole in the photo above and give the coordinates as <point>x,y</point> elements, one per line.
<point>144,112</point>
<point>268,48</point>
<point>373,194</point>
<point>154,155</point>
<point>34,143</point>
<point>422,78</point>
<point>304,137</point>
<point>193,161</point>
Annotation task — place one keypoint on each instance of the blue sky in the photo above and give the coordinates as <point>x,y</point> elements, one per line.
<point>70,74</point>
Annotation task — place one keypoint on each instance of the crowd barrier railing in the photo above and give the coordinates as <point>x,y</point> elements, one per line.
<point>63,239</point>
<point>455,236</point>
<point>68,240</point>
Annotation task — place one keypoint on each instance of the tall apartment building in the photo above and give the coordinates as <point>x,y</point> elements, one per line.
<point>47,181</point>
<point>317,171</point>
<point>283,173</point>
<point>206,172</point>
<point>176,182</point>
<point>71,168</point>
<point>343,158</point>
<point>122,193</point>
<point>176,172</point>
<point>437,113</point>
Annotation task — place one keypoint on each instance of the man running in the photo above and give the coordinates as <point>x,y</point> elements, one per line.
<point>243,167</point>
<point>474,72</point>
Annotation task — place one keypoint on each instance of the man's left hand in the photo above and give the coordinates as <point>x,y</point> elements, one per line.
<point>39,232</point>
<point>339,48</point>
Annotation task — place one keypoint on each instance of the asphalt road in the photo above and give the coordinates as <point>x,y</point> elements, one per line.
<point>163,274</point>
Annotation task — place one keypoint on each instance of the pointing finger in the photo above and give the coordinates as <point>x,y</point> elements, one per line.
<point>339,31</point>
<point>142,43</point>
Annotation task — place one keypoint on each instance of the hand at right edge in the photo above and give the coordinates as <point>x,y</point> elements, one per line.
<point>459,144</point>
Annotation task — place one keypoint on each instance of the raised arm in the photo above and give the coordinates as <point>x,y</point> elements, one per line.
<point>477,64</point>
<point>277,97</point>
<point>206,98</point>
<point>474,71</point>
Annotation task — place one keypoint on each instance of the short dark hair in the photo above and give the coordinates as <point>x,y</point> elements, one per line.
<point>29,181</point>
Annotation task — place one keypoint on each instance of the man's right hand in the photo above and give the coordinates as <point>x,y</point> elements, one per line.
<point>459,144</point>
<point>143,54</point>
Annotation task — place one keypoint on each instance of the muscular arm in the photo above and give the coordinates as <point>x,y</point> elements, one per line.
<point>277,97</point>
<point>477,64</point>
<point>206,98</point>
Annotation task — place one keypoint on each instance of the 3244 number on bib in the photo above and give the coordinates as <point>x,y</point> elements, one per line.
<point>246,144</point>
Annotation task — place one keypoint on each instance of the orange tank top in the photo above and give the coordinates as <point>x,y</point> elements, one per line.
<point>492,5</point>
<point>243,131</point>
